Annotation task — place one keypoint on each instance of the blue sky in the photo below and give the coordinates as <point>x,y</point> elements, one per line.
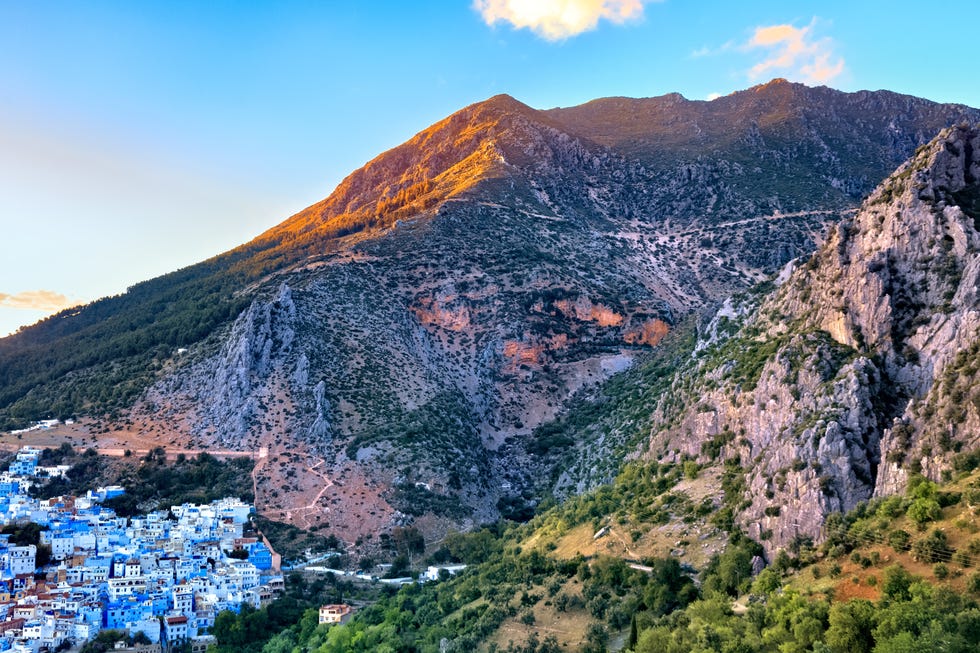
<point>139,137</point>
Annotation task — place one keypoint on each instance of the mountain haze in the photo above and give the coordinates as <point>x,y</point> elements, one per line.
<point>396,345</point>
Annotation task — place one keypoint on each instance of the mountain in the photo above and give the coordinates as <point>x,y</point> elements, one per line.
<point>860,370</point>
<point>399,346</point>
<point>819,141</point>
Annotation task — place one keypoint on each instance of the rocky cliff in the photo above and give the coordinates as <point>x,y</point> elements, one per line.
<point>860,368</point>
<point>395,347</point>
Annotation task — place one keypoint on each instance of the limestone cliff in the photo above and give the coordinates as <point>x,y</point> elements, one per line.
<point>860,368</point>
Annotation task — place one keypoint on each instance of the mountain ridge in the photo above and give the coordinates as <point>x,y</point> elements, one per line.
<point>414,329</point>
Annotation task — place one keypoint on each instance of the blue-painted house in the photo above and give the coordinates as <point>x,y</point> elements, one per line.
<point>126,610</point>
<point>260,556</point>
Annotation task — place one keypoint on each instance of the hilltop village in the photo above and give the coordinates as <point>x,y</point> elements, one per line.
<point>161,577</point>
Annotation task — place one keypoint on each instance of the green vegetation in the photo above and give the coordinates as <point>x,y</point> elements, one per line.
<point>251,629</point>
<point>439,433</point>
<point>912,615</point>
<point>106,641</point>
<point>26,534</point>
<point>638,496</point>
<point>849,597</point>
<point>151,482</point>
<point>884,580</point>
<point>416,500</point>
<point>97,358</point>
<point>291,542</point>
<point>466,610</point>
<point>620,414</point>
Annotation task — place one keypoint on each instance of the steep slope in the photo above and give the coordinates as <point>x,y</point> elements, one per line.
<point>860,369</point>
<point>395,345</point>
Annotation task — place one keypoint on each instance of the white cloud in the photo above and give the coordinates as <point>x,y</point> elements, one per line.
<point>558,19</point>
<point>794,52</point>
<point>713,96</point>
<point>708,51</point>
<point>37,300</point>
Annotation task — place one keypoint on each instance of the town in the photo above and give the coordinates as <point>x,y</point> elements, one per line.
<point>162,577</point>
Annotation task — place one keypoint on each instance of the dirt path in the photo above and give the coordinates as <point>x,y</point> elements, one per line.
<point>262,460</point>
<point>759,218</point>
<point>328,483</point>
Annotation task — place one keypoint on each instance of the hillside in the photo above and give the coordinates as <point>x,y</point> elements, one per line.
<point>398,346</point>
<point>895,574</point>
<point>857,372</point>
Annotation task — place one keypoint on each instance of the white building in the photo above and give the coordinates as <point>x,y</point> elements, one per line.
<point>176,629</point>
<point>336,613</point>
<point>19,559</point>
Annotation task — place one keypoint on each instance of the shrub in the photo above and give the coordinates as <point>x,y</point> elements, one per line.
<point>974,546</point>
<point>891,507</point>
<point>963,559</point>
<point>932,548</point>
<point>851,626</point>
<point>895,583</point>
<point>973,583</point>
<point>923,511</point>
<point>690,469</point>
<point>899,540</point>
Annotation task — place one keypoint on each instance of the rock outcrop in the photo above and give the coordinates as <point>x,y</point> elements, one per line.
<point>860,368</point>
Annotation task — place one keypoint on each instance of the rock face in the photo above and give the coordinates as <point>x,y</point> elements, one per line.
<point>407,335</point>
<point>861,367</point>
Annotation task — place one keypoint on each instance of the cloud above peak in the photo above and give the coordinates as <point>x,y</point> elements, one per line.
<point>555,20</point>
<point>37,300</point>
<point>794,52</point>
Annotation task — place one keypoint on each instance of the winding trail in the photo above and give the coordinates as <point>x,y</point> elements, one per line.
<point>760,218</point>
<point>328,483</point>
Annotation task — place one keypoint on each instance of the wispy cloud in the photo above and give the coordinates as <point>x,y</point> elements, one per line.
<point>555,20</point>
<point>794,52</point>
<point>709,51</point>
<point>37,300</point>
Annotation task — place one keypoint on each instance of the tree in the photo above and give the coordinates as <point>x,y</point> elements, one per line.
<point>895,583</point>
<point>728,571</point>
<point>366,563</point>
<point>932,548</point>
<point>851,624</point>
<point>924,510</point>
<point>408,541</point>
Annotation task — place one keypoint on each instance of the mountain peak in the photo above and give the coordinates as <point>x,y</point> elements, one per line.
<point>439,162</point>
<point>505,102</point>
<point>869,373</point>
<point>775,82</point>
